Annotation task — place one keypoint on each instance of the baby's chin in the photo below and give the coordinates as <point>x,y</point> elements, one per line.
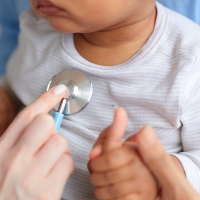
<point>66,25</point>
<point>62,22</point>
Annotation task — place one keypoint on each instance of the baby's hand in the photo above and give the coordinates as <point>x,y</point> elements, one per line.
<point>120,174</point>
<point>117,171</point>
<point>7,110</point>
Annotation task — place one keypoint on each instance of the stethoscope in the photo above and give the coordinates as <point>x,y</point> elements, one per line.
<point>78,93</point>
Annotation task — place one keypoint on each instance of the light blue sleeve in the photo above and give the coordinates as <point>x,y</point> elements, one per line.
<point>188,8</point>
<point>9,27</point>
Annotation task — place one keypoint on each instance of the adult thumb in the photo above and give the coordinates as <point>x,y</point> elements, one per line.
<point>174,185</point>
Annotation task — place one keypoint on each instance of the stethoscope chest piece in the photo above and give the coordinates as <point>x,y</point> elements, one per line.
<point>78,93</point>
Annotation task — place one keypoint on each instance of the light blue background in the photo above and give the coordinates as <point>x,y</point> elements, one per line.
<point>188,8</point>
<point>10,11</point>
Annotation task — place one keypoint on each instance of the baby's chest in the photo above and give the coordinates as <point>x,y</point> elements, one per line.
<point>142,108</point>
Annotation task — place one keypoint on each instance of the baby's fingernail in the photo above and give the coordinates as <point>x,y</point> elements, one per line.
<point>115,107</point>
<point>58,90</point>
<point>149,135</point>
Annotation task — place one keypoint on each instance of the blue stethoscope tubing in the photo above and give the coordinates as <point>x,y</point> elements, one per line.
<point>58,118</point>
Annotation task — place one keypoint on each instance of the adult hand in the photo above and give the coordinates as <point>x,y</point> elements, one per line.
<point>7,110</point>
<point>116,169</point>
<point>35,162</point>
<point>174,185</point>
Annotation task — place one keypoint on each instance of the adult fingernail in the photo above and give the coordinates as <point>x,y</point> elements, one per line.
<point>149,136</point>
<point>59,89</point>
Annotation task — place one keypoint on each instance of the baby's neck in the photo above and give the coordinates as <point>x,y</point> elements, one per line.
<point>116,44</point>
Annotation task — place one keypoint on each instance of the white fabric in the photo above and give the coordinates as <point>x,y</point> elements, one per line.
<point>159,86</point>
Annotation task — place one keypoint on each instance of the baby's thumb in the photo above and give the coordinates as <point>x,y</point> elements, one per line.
<point>116,130</point>
<point>174,185</point>
<point>156,158</point>
<point>111,137</point>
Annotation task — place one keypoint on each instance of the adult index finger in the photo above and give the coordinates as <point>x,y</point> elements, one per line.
<point>42,105</point>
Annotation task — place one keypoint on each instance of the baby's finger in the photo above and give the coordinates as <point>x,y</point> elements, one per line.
<point>162,166</point>
<point>154,155</point>
<point>112,160</point>
<point>105,133</point>
<point>117,175</point>
<point>42,105</point>
<point>121,189</point>
<point>96,151</point>
<point>111,136</point>
<point>116,130</point>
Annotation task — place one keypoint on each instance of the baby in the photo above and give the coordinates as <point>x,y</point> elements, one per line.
<point>139,55</point>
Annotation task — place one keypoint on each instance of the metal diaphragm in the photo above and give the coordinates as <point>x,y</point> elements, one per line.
<point>78,93</point>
